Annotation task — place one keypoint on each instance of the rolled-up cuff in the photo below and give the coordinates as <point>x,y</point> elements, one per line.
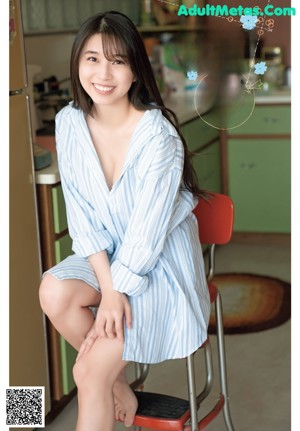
<point>126,281</point>
<point>88,244</point>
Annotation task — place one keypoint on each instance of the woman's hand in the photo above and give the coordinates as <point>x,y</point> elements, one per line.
<point>114,307</point>
<point>89,340</point>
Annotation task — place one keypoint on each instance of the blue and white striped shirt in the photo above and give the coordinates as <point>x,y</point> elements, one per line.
<point>146,224</point>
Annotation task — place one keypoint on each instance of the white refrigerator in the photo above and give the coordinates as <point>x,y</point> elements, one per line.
<point>28,364</point>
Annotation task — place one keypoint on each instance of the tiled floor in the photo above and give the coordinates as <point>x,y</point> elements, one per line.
<point>258,364</point>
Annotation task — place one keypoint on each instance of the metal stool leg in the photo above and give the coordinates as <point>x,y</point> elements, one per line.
<point>141,373</point>
<point>209,374</point>
<point>192,392</point>
<point>222,362</point>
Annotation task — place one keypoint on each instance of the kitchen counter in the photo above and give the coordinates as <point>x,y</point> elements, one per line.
<point>49,175</point>
<point>273,97</point>
<point>183,106</point>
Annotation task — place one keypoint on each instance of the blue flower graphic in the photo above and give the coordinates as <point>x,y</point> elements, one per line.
<point>192,75</point>
<point>260,68</point>
<point>248,21</point>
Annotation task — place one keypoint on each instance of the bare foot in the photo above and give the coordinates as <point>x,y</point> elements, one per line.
<point>125,401</point>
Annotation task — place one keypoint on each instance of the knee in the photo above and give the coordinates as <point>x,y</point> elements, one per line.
<point>84,377</point>
<point>89,375</point>
<point>53,298</point>
<point>80,374</point>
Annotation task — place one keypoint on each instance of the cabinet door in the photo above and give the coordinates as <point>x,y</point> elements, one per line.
<point>68,357</point>
<point>260,184</point>
<point>63,248</point>
<point>265,120</point>
<point>59,210</point>
<point>197,133</point>
<point>207,165</point>
<point>68,354</point>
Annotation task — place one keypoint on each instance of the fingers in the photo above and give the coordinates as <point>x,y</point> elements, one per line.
<point>128,315</point>
<point>110,328</point>
<point>101,325</point>
<point>119,329</point>
<point>109,321</point>
<point>87,344</point>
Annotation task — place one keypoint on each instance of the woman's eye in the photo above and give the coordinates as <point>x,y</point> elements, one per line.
<point>92,59</point>
<point>118,62</point>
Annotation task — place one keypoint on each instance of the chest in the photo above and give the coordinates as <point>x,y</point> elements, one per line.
<point>111,150</point>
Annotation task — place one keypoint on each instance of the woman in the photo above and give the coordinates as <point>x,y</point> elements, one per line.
<point>130,191</point>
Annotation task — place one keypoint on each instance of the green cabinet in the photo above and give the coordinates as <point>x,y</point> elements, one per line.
<point>259,184</point>
<point>203,142</point>
<point>207,164</point>
<point>59,210</point>
<point>265,120</point>
<point>56,245</point>
<point>259,171</point>
<point>63,249</point>
<point>198,133</point>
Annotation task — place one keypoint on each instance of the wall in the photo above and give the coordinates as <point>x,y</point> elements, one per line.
<point>52,52</point>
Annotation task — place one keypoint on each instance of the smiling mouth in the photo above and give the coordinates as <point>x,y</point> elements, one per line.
<point>103,88</point>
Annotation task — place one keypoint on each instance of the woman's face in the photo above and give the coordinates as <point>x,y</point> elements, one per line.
<point>105,81</point>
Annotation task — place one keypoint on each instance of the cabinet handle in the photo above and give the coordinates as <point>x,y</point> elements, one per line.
<point>247,166</point>
<point>270,120</point>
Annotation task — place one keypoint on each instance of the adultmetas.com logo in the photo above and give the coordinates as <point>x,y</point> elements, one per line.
<point>225,10</point>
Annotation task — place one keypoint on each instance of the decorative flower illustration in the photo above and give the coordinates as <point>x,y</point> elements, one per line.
<point>192,75</point>
<point>248,21</point>
<point>260,68</point>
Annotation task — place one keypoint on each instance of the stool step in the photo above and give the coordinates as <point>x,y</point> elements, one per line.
<point>161,406</point>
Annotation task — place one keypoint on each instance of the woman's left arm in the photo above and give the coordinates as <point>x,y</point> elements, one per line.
<point>149,223</point>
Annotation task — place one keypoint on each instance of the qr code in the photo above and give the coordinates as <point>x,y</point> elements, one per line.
<point>25,406</point>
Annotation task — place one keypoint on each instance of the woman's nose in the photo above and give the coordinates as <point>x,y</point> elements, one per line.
<point>104,70</point>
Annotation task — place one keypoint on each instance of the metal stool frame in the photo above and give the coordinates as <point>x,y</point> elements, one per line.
<point>215,222</point>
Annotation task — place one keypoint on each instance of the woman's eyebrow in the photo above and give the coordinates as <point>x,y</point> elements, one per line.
<point>91,52</point>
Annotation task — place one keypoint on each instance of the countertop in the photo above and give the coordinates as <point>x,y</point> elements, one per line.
<point>183,106</point>
<point>273,97</point>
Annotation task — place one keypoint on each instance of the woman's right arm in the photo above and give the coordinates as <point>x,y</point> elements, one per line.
<point>114,305</point>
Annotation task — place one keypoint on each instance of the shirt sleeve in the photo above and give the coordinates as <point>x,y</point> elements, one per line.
<point>85,228</point>
<point>148,226</point>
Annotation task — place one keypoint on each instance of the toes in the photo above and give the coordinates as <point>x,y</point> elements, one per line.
<point>122,416</point>
<point>129,419</point>
<point>119,414</point>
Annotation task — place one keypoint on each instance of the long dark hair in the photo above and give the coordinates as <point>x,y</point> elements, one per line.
<point>118,31</point>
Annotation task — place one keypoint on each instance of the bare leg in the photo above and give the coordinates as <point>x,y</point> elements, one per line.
<point>66,305</point>
<point>95,374</point>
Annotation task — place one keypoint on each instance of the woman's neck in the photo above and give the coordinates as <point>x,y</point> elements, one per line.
<point>113,116</point>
